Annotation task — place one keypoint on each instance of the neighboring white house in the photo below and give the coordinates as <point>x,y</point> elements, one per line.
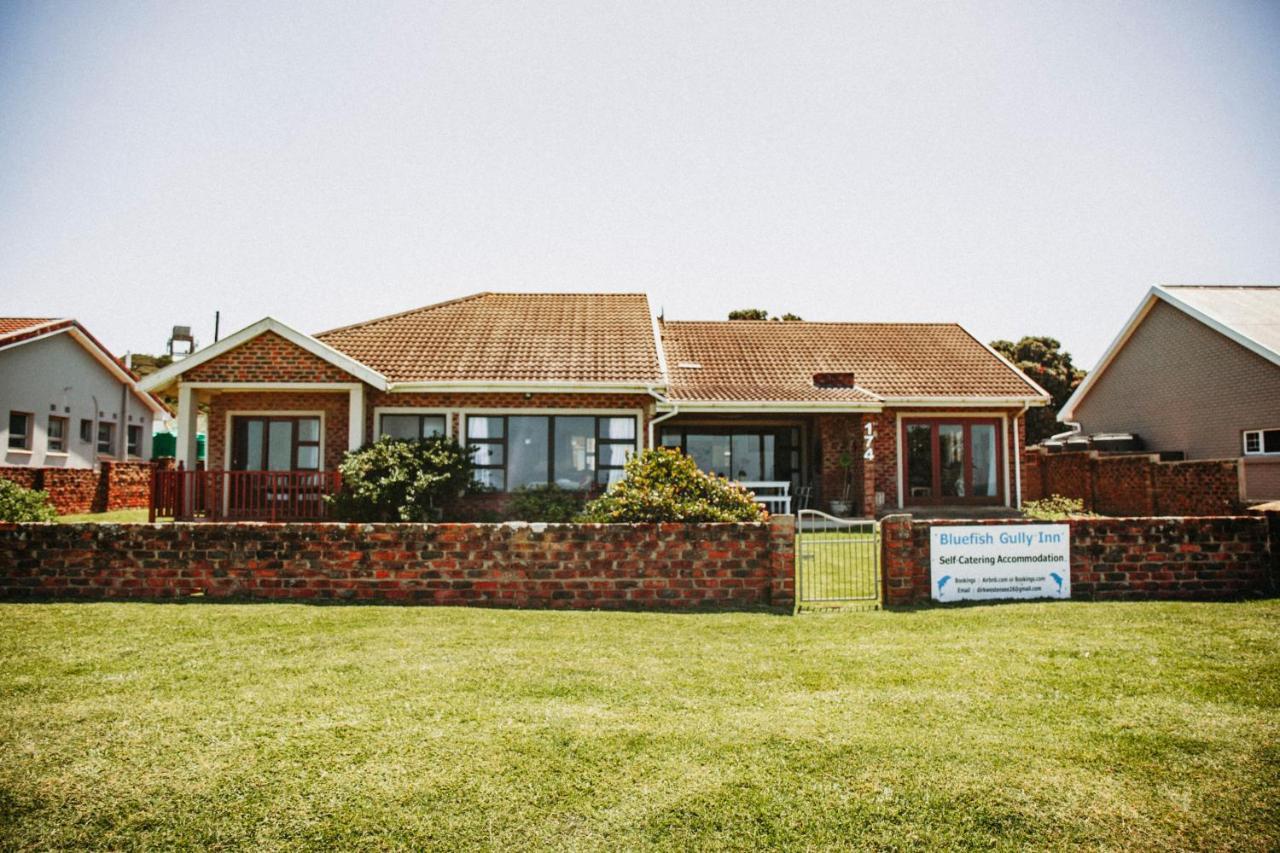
<point>65,401</point>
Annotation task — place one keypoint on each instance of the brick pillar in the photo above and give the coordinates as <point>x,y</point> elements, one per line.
<point>905,573</point>
<point>782,561</point>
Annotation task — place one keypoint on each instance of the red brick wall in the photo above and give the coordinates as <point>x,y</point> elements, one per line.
<point>675,566</point>
<point>111,486</point>
<point>267,358</point>
<point>1134,484</point>
<point>332,403</point>
<point>1162,558</point>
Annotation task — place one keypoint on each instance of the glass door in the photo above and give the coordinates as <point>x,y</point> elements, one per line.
<point>951,461</point>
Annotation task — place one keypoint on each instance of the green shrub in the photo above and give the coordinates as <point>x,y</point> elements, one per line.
<point>545,503</point>
<point>1054,508</point>
<point>20,504</point>
<point>665,485</point>
<point>398,480</point>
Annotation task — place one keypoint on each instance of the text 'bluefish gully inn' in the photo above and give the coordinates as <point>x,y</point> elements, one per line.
<point>561,388</point>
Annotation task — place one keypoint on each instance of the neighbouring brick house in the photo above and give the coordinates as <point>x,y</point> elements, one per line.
<point>1195,374</point>
<point>561,388</point>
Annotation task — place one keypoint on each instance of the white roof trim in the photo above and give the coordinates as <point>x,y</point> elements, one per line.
<point>770,405</point>
<point>1153,295</point>
<point>557,386</point>
<point>163,378</point>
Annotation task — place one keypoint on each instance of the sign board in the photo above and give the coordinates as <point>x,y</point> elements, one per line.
<point>984,563</point>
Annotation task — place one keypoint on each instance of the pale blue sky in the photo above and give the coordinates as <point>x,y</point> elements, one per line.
<point>1017,167</point>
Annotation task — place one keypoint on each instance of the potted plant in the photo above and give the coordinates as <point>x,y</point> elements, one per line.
<point>844,506</point>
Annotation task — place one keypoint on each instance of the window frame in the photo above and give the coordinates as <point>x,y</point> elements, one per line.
<point>789,441</point>
<point>967,422</point>
<point>29,419</point>
<point>296,443</point>
<point>1262,442</point>
<point>111,438</point>
<point>50,438</point>
<point>86,431</point>
<point>634,443</point>
<point>132,448</point>
<point>379,412</point>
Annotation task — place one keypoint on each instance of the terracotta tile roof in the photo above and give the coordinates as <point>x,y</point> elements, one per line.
<point>511,337</point>
<point>748,360</point>
<point>9,325</point>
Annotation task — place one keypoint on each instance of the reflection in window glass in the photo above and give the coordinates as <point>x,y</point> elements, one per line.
<point>982,438</point>
<point>951,459</point>
<point>308,429</point>
<point>491,478</point>
<point>526,451</point>
<point>575,452</point>
<point>279,445</point>
<point>400,426</point>
<point>484,428</point>
<point>618,428</point>
<point>920,460</point>
<point>308,457</point>
<point>253,447</point>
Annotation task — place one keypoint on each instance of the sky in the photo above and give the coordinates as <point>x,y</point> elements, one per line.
<point>1020,168</point>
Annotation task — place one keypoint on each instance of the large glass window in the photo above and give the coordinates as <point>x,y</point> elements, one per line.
<point>275,444</point>
<point>410,426</point>
<point>571,451</point>
<point>760,454</point>
<point>952,461</point>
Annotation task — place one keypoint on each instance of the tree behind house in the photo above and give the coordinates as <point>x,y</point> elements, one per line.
<point>1044,361</point>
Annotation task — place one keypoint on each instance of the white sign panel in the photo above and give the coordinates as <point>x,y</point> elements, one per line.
<point>981,563</point>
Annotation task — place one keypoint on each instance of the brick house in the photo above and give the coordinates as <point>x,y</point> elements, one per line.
<point>561,388</point>
<point>1194,374</point>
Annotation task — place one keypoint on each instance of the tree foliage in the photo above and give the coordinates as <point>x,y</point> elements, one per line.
<point>1043,359</point>
<point>663,484</point>
<point>759,314</point>
<point>22,504</point>
<point>398,480</point>
<point>546,502</point>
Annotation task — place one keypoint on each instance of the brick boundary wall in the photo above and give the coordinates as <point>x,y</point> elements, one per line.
<point>1134,484</point>
<point>110,486</point>
<point>1202,559</point>
<point>571,566</point>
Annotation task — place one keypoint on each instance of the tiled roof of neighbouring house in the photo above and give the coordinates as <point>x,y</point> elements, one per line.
<point>511,337</point>
<point>9,325</point>
<point>748,360</point>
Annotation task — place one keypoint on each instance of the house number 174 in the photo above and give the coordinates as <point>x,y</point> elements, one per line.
<point>868,440</point>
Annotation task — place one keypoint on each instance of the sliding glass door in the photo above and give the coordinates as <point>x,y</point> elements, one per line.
<point>746,454</point>
<point>952,461</point>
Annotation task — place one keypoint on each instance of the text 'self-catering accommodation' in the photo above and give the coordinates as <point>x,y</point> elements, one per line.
<point>561,388</point>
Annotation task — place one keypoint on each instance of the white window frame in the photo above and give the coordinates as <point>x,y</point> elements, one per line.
<point>50,450</point>
<point>111,441</point>
<point>482,412</point>
<point>28,437</point>
<point>268,413</point>
<point>379,411</point>
<point>1244,442</point>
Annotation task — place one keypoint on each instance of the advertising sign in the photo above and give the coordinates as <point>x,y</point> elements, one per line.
<point>983,563</point>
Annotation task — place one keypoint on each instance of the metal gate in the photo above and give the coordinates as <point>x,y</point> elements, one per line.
<point>837,561</point>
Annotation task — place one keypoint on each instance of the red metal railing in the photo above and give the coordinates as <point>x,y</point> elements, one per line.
<point>242,495</point>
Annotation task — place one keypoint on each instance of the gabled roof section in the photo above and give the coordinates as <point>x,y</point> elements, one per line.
<point>166,376</point>
<point>589,339</point>
<point>837,363</point>
<point>1246,314</point>
<point>16,331</point>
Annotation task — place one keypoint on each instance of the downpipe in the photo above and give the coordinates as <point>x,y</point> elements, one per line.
<point>657,395</point>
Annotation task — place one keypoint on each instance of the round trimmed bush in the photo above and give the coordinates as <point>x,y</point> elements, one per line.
<point>402,480</point>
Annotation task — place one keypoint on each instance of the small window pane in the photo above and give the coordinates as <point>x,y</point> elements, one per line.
<point>432,425</point>
<point>920,460</point>
<point>609,476</point>
<point>1253,442</point>
<point>86,430</point>
<point>308,457</point>
<point>575,452</point>
<point>487,454</point>
<point>614,454</point>
<point>982,460</point>
<point>527,451</point>
<point>253,445</point>
<point>18,430</point>
<point>484,428</point>
<point>308,429</point>
<point>106,434</point>
<point>618,428</point>
<point>279,445</point>
<point>1271,441</point>
<point>57,434</point>
<point>492,478</point>
<point>951,451</point>
<point>400,426</point>
<point>671,439</point>
<point>134,439</point>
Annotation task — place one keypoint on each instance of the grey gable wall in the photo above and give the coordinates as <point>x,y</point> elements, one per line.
<point>1183,386</point>
<point>33,377</point>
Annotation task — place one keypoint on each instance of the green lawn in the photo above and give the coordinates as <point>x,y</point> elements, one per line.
<point>119,516</point>
<point>1048,725</point>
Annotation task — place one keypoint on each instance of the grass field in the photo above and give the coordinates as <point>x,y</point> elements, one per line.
<point>119,516</point>
<point>1138,726</point>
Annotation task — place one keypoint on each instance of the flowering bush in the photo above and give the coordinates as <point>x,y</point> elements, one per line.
<point>402,480</point>
<point>1054,508</point>
<point>21,504</point>
<point>665,485</point>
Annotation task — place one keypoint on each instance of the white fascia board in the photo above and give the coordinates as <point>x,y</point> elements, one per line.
<point>532,386</point>
<point>1067,412</point>
<point>163,378</point>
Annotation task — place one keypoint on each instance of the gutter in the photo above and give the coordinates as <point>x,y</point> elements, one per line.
<point>675,410</point>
